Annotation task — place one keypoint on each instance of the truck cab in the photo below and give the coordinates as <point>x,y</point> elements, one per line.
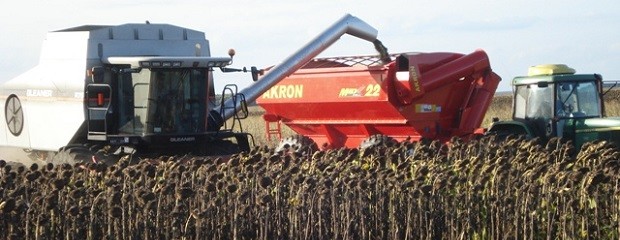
<point>553,101</point>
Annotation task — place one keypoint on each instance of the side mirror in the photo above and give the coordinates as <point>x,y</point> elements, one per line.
<point>255,72</point>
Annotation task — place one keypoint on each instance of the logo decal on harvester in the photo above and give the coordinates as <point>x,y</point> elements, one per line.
<point>370,90</point>
<point>182,139</point>
<point>284,91</point>
<point>39,93</point>
<point>350,92</point>
<point>414,80</point>
<point>427,108</point>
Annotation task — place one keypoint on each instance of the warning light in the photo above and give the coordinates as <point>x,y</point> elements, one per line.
<point>100,99</point>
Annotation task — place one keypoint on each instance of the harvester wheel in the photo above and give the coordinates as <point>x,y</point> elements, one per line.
<point>377,140</point>
<point>72,154</point>
<point>222,147</point>
<point>77,153</point>
<point>298,144</point>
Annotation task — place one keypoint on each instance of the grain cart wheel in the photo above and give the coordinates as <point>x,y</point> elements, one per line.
<point>298,144</point>
<point>377,140</point>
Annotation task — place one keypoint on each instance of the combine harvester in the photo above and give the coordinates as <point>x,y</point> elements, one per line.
<point>103,91</point>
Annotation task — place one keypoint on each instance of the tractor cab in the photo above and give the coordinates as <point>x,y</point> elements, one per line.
<point>553,101</point>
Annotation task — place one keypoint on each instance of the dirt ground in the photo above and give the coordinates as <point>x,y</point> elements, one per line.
<point>15,155</point>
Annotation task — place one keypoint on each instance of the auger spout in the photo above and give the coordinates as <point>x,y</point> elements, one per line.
<point>346,25</point>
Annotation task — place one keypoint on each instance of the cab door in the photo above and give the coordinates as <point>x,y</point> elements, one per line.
<point>98,96</point>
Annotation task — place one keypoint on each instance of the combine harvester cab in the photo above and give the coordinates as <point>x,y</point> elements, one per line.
<point>343,101</point>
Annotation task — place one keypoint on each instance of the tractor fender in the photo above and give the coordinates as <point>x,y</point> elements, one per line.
<point>505,128</point>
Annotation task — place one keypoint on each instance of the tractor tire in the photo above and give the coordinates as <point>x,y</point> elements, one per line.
<point>377,140</point>
<point>297,144</point>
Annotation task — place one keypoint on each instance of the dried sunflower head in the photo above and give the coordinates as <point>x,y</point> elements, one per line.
<point>231,188</point>
<point>265,182</point>
<point>115,212</point>
<point>185,193</point>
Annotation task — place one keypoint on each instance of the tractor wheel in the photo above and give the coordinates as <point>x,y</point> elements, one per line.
<point>297,144</point>
<point>377,140</point>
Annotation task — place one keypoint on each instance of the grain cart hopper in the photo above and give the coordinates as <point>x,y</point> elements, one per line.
<point>145,88</point>
<point>553,101</point>
<point>348,101</point>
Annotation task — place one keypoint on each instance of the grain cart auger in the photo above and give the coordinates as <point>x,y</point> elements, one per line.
<point>360,101</point>
<point>100,91</point>
<point>553,101</point>
<point>346,25</point>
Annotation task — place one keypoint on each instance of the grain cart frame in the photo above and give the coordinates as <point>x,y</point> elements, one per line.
<point>360,101</point>
<point>143,87</point>
<point>554,101</point>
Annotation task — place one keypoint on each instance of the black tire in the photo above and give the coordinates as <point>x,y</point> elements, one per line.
<point>297,144</point>
<point>72,154</point>
<point>77,153</point>
<point>377,140</point>
<point>222,147</point>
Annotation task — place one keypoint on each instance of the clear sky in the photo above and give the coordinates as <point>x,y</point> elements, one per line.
<point>516,34</point>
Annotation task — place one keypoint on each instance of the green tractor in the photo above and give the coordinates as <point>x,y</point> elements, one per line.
<point>553,101</point>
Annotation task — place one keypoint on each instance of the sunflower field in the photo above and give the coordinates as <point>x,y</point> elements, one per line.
<point>482,189</point>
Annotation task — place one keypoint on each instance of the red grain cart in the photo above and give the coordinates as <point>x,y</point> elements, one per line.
<point>341,101</point>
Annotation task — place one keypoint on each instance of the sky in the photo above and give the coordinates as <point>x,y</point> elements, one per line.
<point>515,34</point>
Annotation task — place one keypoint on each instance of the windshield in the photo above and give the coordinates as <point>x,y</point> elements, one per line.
<point>533,101</point>
<point>163,101</point>
<point>577,99</point>
<point>177,101</point>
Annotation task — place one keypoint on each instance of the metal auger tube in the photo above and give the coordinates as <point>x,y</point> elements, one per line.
<point>347,24</point>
